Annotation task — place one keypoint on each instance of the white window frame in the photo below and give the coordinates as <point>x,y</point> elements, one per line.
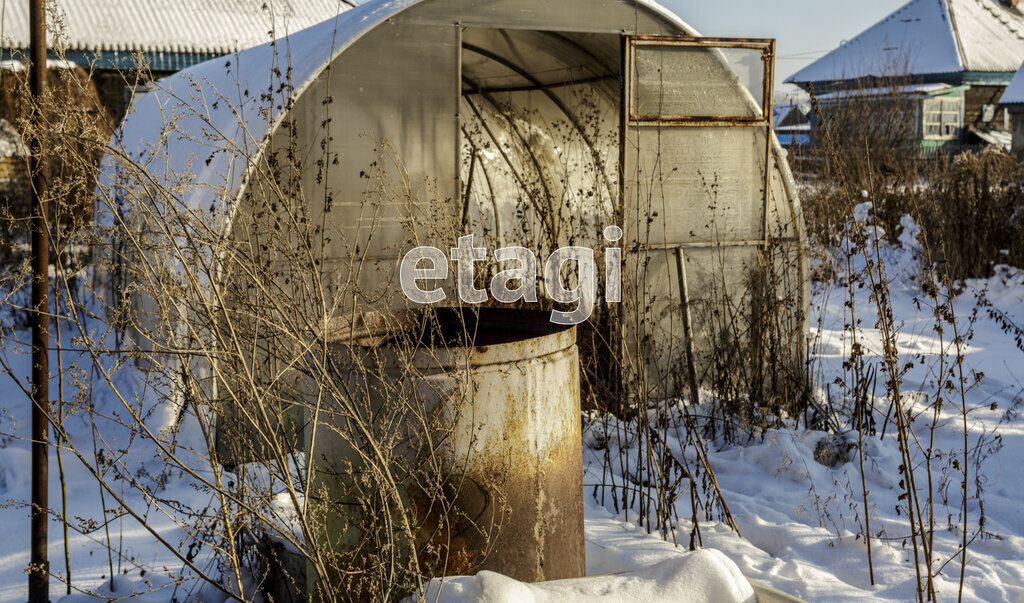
<point>942,118</point>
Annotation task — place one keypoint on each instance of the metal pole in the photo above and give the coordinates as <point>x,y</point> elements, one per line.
<point>39,571</point>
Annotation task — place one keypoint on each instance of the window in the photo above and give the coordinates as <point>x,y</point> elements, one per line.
<point>941,118</point>
<point>988,113</point>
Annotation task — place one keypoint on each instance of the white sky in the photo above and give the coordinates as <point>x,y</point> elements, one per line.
<point>804,29</point>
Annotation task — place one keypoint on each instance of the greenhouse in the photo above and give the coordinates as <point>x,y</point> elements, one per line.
<point>264,206</point>
<point>526,124</point>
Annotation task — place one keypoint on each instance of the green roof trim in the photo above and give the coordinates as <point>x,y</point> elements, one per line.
<point>961,78</point>
<point>987,78</point>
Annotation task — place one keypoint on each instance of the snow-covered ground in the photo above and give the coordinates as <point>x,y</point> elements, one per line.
<point>800,521</point>
<point>623,564</point>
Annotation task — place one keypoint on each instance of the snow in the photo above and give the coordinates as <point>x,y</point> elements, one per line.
<point>800,521</point>
<point>702,575</point>
<point>911,90</point>
<point>13,65</point>
<point>191,26</point>
<point>998,138</point>
<point>623,563</point>
<point>991,35</point>
<point>19,65</point>
<point>916,37</point>
<point>928,37</point>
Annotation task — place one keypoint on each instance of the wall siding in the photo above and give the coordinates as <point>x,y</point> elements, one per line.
<point>975,98</point>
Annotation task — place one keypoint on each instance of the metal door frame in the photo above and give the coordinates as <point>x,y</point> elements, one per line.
<point>629,102</point>
<point>630,119</point>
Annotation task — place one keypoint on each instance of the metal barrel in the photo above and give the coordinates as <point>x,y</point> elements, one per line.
<point>476,416</point>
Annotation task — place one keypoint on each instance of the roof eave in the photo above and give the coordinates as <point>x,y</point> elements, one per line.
<point>954,78</point>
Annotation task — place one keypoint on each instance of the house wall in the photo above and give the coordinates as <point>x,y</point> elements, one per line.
<point>975,99</point>
<point>14,201</point>
<point>931,145</point>
<point>1017,125</point>
<point>14,187</point>
<point>70,88</point>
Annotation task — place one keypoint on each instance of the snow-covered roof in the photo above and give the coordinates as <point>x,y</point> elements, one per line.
<point>170,26</point>
<point>240,98</point>
<point>790,115</point>
<point>1014,93</point>
<point>998,138</point>
<point>928,37</point>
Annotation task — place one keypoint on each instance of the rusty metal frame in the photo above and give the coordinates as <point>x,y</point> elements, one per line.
<point>631,121</point>
<point>711,244</point>
<point>767,48</point>
<point>458,115</point>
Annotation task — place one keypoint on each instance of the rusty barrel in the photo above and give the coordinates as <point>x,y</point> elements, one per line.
<point>478,413</point>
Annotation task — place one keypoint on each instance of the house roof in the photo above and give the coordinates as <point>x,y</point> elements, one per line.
<point>997,138</point>
<point>928,37</point>
<point>791,115</point>
<point>1014,93</point>
<point>170,26</point>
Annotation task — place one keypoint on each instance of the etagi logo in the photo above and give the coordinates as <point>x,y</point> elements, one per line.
<point>524,275</point>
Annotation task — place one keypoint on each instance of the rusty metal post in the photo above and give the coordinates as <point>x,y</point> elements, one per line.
<point>39,571</point>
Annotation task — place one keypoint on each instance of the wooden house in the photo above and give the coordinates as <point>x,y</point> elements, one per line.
<point>1012,102</point>
<point>952,58</point>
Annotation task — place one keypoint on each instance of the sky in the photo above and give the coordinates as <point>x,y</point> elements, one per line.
<point>804,29</point>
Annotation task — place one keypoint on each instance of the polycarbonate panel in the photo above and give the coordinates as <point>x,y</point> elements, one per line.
<point>722,294</point>
<point>687,81</point>
<point>548,57</point>
<point>781,217</point>
<point>786,262</point>
<point>653,322</point>
<point>564,15</point>
<point>373,141</point>
<point>539,166</point>
<point>694,184</point>
<point>379,129</point>
<point>549,186</point>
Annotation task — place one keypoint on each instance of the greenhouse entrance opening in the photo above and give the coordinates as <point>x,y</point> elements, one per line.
<point>539,133</point>
<point>556,144</point>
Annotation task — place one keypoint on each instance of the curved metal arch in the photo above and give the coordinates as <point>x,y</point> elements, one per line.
<point>595,156</point>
